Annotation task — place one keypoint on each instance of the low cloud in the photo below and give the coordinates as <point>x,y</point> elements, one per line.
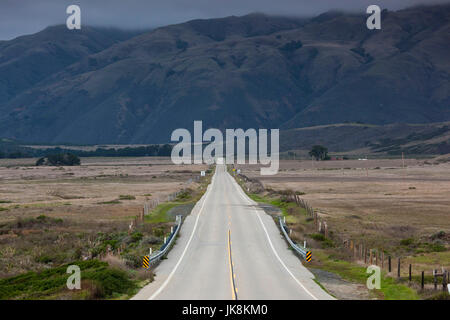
<point>29,16</point>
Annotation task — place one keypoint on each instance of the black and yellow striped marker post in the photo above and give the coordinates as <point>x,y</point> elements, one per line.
<point>308,256</point>
<point>145,262</point>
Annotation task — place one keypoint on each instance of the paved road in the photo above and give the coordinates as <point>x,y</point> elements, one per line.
<point>230,249</point>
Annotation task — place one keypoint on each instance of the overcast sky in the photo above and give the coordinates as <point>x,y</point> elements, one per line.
<point>19,17</point>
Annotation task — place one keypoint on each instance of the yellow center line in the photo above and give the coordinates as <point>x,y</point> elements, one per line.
<point>231,264</point>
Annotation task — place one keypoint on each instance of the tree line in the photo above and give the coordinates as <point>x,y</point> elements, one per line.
<point>143,151</point>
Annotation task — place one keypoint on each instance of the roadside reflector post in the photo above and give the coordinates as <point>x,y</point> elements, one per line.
<point>145,262</point>
<point>150,252</point>
<point>398,269</point>
<point>171,229</point>
<point>389,262</point>
<point>304,243</point>
<point>165,238</point>
<point>308,256</point>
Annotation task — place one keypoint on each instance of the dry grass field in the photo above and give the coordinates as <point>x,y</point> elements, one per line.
<point>403,208</point>
<point>54,215</point>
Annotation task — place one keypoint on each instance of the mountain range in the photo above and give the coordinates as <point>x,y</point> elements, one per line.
<point>96,85</point>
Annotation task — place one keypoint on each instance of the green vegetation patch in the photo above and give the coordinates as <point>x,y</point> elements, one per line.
<point>110,202</point>
<point>126,197</point>
<point>101,281</point>
<point>159,214</point>
<point>390,288</point>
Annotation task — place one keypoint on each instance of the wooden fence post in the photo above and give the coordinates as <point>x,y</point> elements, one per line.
<point>444,280</point>
<point>410,272</point>
<point>389,261</point>
<point>435,279</point>
<point>398,269</point>
<point>423,280</point>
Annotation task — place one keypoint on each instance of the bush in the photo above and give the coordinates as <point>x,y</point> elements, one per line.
<point>110,281</point>
<point>407,242</point>
<point>59,159</point>
<point>136,236</point>
<point>126,197</point>
<point>318,237</point>
<point>321,238</point>
<point>291,46</point>
<point>436,247</point>
<point>133,261</point>
<point>103,282</point>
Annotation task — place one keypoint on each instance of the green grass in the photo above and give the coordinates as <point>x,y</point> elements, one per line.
<point>159,214</point>
<point>433,258</point>
<point>110,202</point>
<point>104,282</point>
<point>390,288</point>
<point>126,197</point>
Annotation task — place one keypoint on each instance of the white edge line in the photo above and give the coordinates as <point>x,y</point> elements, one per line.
<point>270,242</point>
<point>166,282</point>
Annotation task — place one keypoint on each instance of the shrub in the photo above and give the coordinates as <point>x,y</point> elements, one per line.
<point>59,159</point>
<point>407,242</point>
<point>136,236</point>
<point>291,46</point>
<point>436,247</point>
<point>320,237</point>
<point>127,197</point>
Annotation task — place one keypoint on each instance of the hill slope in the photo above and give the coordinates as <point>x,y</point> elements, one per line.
<point>252,71</point>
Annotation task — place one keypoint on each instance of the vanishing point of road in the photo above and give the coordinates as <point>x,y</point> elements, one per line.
<point>228,248</point>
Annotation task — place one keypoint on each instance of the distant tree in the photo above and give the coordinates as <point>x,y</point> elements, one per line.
<point>291,46</point>
<point>40,162</point>
<point>319,152</point>
<point>59,159</point>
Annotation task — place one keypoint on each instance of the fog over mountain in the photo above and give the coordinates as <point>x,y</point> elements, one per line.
<point>30,16</point>
<point>100,85</point>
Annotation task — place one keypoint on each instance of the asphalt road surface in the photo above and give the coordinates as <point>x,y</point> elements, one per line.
<point>228,248</point>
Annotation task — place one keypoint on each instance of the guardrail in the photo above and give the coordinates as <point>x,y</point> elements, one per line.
<point>167,244</point>
<point>302,251</point>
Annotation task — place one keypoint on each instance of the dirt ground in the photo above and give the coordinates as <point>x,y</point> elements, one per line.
<point>51,215</point>
<point>379,201</point>
<point>85,190</point>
